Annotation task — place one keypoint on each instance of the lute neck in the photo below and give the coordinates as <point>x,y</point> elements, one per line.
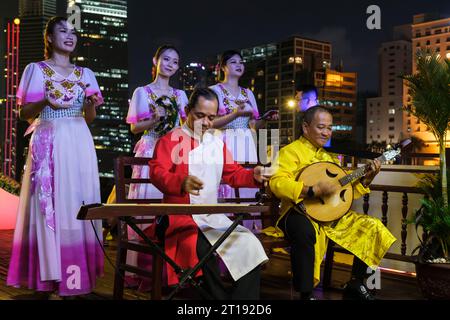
<point>358,173</point>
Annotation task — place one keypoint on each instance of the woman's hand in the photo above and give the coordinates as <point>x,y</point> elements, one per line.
<point>160,112</point>
<point>272,115</point>
<point>55,105</point>
<point>244,109</point>
<point>92,101</point>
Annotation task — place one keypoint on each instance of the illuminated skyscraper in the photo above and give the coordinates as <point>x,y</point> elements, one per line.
<point>431,32</point>
<point>385,117</point>
<point>338,92</point>
<point>34,15</point>
<point>103,37</point>
<point>273,70</point>
<point>191,76</point>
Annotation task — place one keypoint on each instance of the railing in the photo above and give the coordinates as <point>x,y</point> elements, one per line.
<point>386,191</point>
<point>384,213</point>
<point>406,192</point>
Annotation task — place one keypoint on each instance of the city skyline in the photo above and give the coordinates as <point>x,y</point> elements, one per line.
<point>344,26</point>
<point>200,30</point>
<point>103,29</point>
<point>110,132</point>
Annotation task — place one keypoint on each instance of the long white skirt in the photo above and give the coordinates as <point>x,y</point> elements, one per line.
<point>241,144</point>
<point>52,250</point>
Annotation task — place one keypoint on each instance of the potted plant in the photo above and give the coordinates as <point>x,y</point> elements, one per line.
<point>429,90</point>
<point>9,185</point>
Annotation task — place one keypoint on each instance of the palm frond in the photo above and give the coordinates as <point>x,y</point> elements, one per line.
<point>430,92</point>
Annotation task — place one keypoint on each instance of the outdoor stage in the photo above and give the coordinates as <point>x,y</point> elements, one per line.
<point>275,284</point>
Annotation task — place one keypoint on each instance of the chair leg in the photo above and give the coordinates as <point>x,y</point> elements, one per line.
<point>157,270</point>
<point>121,259</point>
<point>326,283</point>
<point>119,274</point>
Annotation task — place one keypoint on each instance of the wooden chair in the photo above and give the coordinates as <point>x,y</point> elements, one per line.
<point>123,244</point>
<point>270,243</point>
<point>329,260</point>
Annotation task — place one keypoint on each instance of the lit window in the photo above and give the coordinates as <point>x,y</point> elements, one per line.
<point>342,128</point>
<point>391,111</point>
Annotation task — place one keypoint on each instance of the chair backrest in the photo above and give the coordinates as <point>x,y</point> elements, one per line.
<point>274,214</point>
<point>121,181</point>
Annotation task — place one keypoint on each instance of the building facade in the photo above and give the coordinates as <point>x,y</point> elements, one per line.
<point>432,32</point>
<point>386,119</point>
<point>274,70</point>
<point>102,47</point>
<point>338,92</point>
<point>34,15</point>
<point>191,76</point>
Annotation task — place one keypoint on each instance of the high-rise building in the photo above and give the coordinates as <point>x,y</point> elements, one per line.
<point>8,105</point>
<point>338,92</point>
<point>191,76</point>
<point>386,120</point>
<point>103,37</point>
<point>274,70</point>
<point>256,59</point>
<point>361,116</point>
<point>33,15</point>
<point>432,32</point>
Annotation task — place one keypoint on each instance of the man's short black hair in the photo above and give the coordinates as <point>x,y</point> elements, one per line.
<point>206,93</point>
<point>309,114</point>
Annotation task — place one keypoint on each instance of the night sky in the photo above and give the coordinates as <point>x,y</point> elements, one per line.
<point>202,28</point>
<point>207,27</point>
